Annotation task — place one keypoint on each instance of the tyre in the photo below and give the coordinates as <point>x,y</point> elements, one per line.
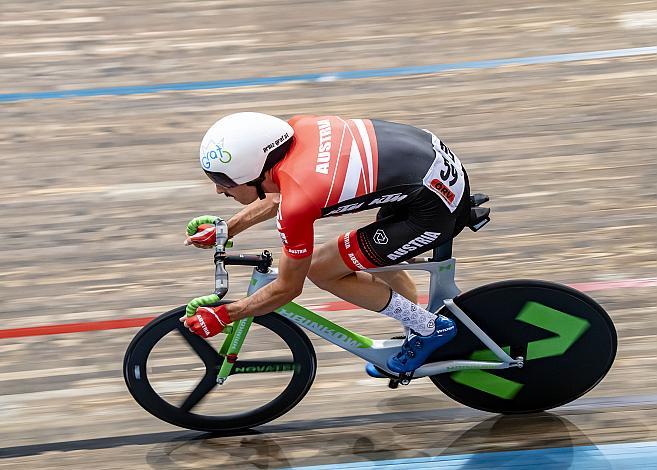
<point>172,373</point>
<point>567,339</point>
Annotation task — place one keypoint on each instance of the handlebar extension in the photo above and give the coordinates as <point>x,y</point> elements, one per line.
<point>261,262</point>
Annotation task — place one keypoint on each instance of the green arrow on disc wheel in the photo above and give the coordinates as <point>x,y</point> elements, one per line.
<point>568,330</point>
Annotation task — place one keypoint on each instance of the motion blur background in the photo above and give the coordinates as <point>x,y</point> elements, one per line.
<point>101,115</point>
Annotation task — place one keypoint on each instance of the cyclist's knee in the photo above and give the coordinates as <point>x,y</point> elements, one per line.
<point>318,280</point>
<point>326,266</point>
<point>320,276</point>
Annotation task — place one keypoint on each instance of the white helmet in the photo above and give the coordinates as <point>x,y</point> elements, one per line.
<point>234,150</point>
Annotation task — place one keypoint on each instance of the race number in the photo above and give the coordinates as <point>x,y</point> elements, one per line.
<point>445,177</point>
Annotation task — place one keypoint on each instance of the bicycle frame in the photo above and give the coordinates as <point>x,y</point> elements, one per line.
<point>442,289</point>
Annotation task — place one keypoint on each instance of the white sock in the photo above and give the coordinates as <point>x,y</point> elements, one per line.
<point>410,315</point>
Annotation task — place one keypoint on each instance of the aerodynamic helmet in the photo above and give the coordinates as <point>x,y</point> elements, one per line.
<point>236,148</point>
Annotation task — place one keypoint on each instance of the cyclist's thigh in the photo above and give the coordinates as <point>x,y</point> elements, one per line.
<point>426,224</point>
<point>391,243</point>
<point>327,262</point>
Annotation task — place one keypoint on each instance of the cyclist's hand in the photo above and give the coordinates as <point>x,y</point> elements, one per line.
<point>208,321</point>
<point>205,237</point>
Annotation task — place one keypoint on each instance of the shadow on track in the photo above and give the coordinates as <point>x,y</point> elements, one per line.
<point>366,438</point>
<point>513,433</point>
<point>370,444</point>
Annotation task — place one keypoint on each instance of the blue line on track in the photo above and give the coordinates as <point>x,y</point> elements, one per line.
<point>314,77</point>
<point>606,456</point>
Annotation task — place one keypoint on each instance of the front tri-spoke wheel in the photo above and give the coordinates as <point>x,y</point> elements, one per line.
<point>172,373</point>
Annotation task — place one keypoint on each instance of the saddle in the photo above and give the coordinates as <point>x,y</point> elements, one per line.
<point>479,216</point>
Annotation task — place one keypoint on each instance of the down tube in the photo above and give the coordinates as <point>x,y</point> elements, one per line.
<point>328,330</point>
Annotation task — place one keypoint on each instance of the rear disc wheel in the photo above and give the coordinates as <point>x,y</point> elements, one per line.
<point>567,340</point>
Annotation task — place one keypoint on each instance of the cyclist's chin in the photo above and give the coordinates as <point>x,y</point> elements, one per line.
<point>243,193</point>
<point>243,198</point>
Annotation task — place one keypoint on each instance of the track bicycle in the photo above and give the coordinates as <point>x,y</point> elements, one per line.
<point>522,346</point>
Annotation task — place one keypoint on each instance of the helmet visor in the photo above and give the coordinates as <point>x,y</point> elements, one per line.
<point>221,179</point>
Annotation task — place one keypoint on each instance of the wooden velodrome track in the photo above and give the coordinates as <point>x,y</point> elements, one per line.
<point>96,190</point>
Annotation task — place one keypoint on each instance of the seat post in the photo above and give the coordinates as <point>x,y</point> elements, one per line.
<point>443,252</point>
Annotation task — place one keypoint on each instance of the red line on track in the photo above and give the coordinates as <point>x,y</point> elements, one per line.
<point>75,327</point>
<point>618,284</point>
<point>339,305</point>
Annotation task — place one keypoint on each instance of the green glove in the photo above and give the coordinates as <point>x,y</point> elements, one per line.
<point>200,302</point>
<point>196,222</point>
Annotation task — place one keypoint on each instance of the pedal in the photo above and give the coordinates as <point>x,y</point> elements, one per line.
<point>405,377</point>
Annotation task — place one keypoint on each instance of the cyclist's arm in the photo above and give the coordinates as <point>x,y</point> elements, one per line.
<point>256,212</point>
<point>287,286</point>
<point>295,224</point>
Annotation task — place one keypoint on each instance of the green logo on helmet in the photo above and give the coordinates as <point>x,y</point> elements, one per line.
<point>224,156</point>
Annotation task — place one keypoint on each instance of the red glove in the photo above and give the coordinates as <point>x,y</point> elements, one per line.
<point>208,321</point>
<point>205,235</point>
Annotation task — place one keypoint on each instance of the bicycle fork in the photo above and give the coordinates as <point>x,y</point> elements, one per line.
<point>231,347</point>
<point>236,333</point>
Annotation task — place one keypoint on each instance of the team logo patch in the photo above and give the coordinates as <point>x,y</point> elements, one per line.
<point>380,237</point>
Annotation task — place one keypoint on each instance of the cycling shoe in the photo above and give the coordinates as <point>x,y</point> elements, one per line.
<point>417,349</point>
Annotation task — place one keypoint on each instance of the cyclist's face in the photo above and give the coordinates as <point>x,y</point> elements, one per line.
<point>242,193</point>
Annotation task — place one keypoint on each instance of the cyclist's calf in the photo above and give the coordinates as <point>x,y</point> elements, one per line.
<point>401,282</point>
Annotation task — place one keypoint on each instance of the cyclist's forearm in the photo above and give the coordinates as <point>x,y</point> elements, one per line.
<point>256,212</point>
<point>263,301</point>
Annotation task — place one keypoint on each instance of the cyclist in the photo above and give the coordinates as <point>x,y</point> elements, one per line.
<point>320,166</point>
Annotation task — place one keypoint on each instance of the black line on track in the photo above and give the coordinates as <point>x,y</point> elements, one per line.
<point>97,443</point>
<point>449,414</point>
